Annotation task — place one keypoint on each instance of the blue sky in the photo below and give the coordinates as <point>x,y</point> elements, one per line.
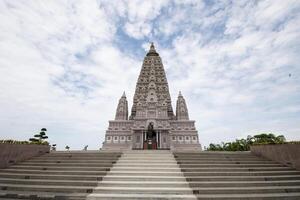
<point>65,64</point>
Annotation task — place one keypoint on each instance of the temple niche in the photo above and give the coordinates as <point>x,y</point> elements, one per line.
<point>152,123</point>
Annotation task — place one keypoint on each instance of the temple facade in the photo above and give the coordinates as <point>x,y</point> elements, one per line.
<point>152,123</point>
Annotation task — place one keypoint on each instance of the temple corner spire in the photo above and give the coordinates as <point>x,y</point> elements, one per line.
<point>122,109</point>
<point>181,108</point>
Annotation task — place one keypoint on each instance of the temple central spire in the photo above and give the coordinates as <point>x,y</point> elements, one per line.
<point>152,97</point>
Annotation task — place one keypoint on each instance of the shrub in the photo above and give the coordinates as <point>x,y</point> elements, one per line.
<point>244,144</point>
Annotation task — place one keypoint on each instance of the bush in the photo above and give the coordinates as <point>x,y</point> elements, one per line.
<point>244,144</point>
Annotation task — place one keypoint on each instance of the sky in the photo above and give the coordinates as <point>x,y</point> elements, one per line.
<point>64,65</point>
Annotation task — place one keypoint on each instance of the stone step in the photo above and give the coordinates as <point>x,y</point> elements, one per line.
<point>202,173</point>
<point>247,173</point>
<point>226,162</point>
<point>141,196</point>
<point>145,152</point>
<point>222,169</point>
<point>213,153</point>
<point>160,169</point>
<point>41,195</point>
<point>147,159</point>
<point>195,165</point>
<point>45,188</point>
<point>182,183</point>
<point>146,165</point>
<point>91,152</point>
<point>242,178</point>
<point>60,168</point>
<point>108,159</point>
<point>148,156</point>
<point>48,182</point>
<point>246,190</point>
<point>82,154</point>
<point>142,190</point>
<point>161,162</point>
<point>143,173</point>
<point>243,183</point>
<point>268,196</point>
<point>72,161</point>
<point>229,165</point>
<point>143,178</point>
<point>219,159</point>
<point>44,172</point>
<point>277,196</point>
<point>64,164</point>
<point>51,176</point>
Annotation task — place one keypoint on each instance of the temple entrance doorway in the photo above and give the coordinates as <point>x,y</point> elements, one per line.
<point>150,138</point>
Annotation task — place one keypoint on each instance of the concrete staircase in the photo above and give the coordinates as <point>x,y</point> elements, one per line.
<point>156,174</point>
<point>144,175</point>
<point>238,175</point>
<point>58,175</point>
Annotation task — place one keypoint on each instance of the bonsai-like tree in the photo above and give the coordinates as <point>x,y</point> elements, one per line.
<point>40,137</point>
<point>67,148</point>
<point>53,147</point>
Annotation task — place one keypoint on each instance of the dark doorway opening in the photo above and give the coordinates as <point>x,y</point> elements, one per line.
<point>150,141</point>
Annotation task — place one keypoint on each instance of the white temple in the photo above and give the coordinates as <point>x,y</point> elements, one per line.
<point>152,123</point>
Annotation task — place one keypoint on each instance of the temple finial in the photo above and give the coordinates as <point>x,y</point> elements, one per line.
<point>152,46</point>
<point>179,93</point>
<point>152,51</point>
<point>124,95</point>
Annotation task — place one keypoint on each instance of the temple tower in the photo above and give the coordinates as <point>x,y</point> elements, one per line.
<point>181,108</point>
<point>122,109</point>
<point>152,123</point>
<point>152,97</point>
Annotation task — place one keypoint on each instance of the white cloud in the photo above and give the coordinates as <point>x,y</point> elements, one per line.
<point>62,66</point>
<point>43,83</point>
